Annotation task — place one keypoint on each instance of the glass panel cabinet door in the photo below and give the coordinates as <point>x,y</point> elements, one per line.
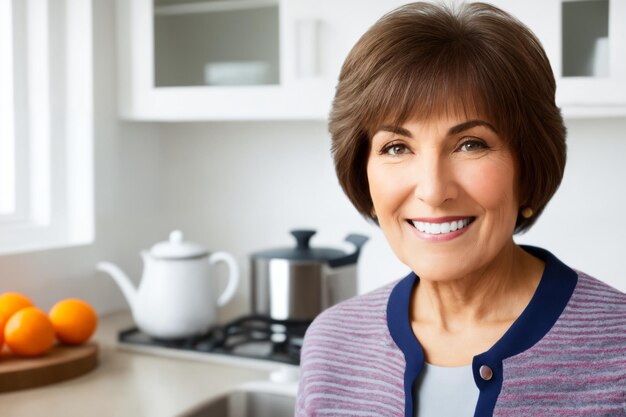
<point>216,43</point>
<point>586,43</point>
<point>593,56</point>
<point>184,60</point>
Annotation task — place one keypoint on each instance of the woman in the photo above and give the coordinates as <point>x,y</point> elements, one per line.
<point>445,132</point>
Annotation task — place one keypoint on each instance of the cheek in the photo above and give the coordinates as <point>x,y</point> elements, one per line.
<point>386,188</point>
<point>493,185</point>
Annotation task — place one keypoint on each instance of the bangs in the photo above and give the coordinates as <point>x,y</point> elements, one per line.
<point>446,84</point>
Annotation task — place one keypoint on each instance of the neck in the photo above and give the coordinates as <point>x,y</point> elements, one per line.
<point>495,294</point>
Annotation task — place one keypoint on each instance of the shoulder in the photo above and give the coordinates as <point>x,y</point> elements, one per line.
<point>595,315</point>
<point>594,296</point>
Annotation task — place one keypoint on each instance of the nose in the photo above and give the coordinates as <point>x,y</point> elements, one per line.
<point>435,181</point>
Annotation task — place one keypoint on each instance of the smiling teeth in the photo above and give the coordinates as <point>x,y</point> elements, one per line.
<point>440,228</point>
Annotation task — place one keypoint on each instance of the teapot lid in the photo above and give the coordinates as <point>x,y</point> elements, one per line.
<point>176,248</point>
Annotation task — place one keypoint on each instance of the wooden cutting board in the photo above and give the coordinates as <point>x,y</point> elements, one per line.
<point>59,364</point>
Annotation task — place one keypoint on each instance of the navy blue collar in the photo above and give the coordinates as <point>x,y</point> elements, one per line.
<point>552,295</point>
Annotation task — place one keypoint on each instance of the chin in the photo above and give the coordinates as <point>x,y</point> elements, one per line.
<point>428,268</point>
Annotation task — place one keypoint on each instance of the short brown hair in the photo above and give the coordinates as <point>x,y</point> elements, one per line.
<point>422,59</point>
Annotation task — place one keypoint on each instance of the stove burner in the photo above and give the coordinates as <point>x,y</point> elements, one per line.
<point>254,336</point>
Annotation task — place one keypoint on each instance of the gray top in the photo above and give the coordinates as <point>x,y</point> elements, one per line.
<point>445,392</point>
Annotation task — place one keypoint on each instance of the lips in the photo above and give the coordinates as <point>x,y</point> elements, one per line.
<point>441,226</point>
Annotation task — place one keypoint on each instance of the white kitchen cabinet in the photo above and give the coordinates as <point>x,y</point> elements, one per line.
<point>235,59</point>
<point>280,59</point>
<point>169,54</point>
<point>585,41</point>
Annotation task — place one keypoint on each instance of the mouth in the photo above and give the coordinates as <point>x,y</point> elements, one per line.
<point>441,226</point>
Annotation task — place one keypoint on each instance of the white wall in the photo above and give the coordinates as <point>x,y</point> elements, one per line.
<point>127,158</point>
<point>242,186</point>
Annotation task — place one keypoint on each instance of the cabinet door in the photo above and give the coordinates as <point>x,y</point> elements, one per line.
<point>593,55</point>
<point>585,41</point>
<point>209,60</point>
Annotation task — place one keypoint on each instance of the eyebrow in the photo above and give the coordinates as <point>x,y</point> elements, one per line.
<point>470,124</point>
<point>454,130</point>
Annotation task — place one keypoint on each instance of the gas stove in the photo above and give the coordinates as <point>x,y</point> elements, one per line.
<point>259,340</point>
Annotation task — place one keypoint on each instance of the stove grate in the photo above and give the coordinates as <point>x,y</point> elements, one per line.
<point>253,336</point>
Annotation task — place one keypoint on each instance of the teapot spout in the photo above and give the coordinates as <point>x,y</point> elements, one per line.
<point>127,287</point>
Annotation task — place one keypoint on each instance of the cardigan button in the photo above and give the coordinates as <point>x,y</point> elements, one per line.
<point>485,372</point>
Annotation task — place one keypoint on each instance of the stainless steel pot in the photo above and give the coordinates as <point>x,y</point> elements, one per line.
<point>299,283</point>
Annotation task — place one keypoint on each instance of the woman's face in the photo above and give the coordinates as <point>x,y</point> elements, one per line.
<point>445,194</point>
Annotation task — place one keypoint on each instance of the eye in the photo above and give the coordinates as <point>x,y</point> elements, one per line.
<point>472,145</point>
<point>394,149</point>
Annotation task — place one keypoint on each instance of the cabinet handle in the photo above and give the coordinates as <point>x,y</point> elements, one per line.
<point>307,48</point>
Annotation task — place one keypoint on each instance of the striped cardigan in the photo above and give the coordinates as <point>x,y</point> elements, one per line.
<point>564,356</point>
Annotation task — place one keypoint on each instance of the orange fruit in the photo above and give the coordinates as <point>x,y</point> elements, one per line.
<point>29,332</point>
<point>3,320</point>
<point>12,302</point>
<point>74,321</point>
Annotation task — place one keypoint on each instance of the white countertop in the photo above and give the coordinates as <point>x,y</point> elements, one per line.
<point>131,384</point>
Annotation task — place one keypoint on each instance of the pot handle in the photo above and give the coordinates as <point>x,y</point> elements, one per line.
<point>358,241</point>
<point>233,275</point>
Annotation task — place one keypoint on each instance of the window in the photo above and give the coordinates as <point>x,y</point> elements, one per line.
<point>46,133</point>
<point>7,139</point>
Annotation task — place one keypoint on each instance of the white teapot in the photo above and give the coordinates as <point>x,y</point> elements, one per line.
<point>175,298</point>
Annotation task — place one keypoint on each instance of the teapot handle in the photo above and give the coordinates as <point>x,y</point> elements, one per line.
<point>233,275</point>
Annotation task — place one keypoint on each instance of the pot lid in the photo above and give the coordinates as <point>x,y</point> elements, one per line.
<point>303,251</point>
<point>177,248</point>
